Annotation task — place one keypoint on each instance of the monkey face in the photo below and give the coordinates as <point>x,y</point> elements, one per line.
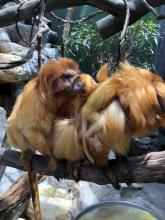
<point>64,82</point>
<point>84,84</point>
<point>57,76</point>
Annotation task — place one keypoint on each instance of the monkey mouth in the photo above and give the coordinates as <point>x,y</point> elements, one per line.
<point>78,87</point>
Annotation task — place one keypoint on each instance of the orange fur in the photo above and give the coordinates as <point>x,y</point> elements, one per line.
<point>66,131</point>
<point>31,122</point>
<point>126,104</point>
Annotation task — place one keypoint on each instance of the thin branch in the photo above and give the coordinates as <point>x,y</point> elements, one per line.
<point>76,21</point>
<point>16,23</point>
<point>42,28</point>
<point>89,17</point>
<point>123,33</point>
<point>16,196</point>
<point>40,33</point>
<point>150,8</point>
<point>20,35</point>
<point>144,169</point>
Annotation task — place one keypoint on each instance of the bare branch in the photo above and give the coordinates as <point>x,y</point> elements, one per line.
<point>16,197</point>
<point>144,169</point>
<point>77,21</point>
<point>150,8</point>
<point>123,33</point>
<point>107,26</point>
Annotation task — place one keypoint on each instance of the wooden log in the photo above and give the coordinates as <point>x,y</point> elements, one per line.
<point>15,200</point>
<point>147,168</point>
<point>115,8</point>
<point>17,195</point>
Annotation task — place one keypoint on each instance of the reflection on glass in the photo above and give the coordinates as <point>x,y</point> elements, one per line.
<point>116,212</point>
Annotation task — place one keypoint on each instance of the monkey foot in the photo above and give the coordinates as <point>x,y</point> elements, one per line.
<point>61,171</point>
<point>118,170</point>
<point>122,166</point>
<point>111,174</point>
<point>52,162</point>
<point>26,158</point>
<point>73,170</point>
<point>95,142</point>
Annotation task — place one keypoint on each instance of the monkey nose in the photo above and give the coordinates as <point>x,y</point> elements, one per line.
<point>78,87</point>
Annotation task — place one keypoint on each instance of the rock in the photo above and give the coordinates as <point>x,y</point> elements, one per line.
<point>8,4</point>
<point>9,177</point>
<point>69,198</point>
<point>27,70</point>
<point>150,196</point>
<point>3,124</point>
<point>25,31</point>
<point>12,48</point>
<point>149,143</point>
<point>57,202</point>
<point>4,36</point>
<point>14,74</point>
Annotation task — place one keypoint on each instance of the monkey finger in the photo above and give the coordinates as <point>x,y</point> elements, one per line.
<point>61,171</point>
<point>111,174</point>
<point>122,167</point>
<point>73,170</point>
<point>52,163</point>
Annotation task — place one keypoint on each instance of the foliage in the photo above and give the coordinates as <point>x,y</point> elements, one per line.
<point>143,36</point>
<point>85,45</point>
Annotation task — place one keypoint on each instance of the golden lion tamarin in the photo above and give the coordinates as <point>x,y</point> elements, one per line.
<point>66,140</point>
<point>30,125</point>
<point>131,102</point>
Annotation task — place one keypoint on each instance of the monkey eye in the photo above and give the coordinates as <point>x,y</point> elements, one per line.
<point>68,75</point>
<point>77,79</point>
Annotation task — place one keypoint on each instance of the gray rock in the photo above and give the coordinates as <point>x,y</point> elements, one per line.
<point>12,48</point>
<point>151,142</point>
<point>3,124</point>
<point>27,70</point>
<point>4,36</point>
<point>25,31</point>
<point>8,4</point>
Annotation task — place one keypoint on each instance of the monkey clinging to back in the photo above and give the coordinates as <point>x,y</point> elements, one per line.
<point>131,102</point>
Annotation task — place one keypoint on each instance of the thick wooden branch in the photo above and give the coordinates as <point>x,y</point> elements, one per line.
<point>16,13</point>
<point>19,193</point>
<point>144,169</point>
<point>106,26</point>
<point>113,23</point>
<point>15,200</point>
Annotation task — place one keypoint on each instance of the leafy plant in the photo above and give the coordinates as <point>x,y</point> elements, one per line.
<point>85,45</point>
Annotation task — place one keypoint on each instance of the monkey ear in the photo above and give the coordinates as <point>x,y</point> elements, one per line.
<point>102,75</point>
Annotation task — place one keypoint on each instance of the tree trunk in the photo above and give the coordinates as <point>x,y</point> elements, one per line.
<point>147,168</point>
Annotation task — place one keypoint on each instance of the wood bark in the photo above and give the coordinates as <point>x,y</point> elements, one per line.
<point>16,199</point>
<point>113,23</point>
<point>107,26</point>
<point>144,169</point>
<point>17,195</point>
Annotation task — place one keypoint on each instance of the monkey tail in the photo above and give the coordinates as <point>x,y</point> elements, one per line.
<point>33,183</point>
<point>84,142</point>
<point>102,74</point>
<point>35,194</point>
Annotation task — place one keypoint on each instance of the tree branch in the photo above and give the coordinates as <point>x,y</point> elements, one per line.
<point>123,32</point>
<point>150,8</point>
<point>75,21</point>
<point>112,23</point>
<point>144,169</point>
<point>15,200</point>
